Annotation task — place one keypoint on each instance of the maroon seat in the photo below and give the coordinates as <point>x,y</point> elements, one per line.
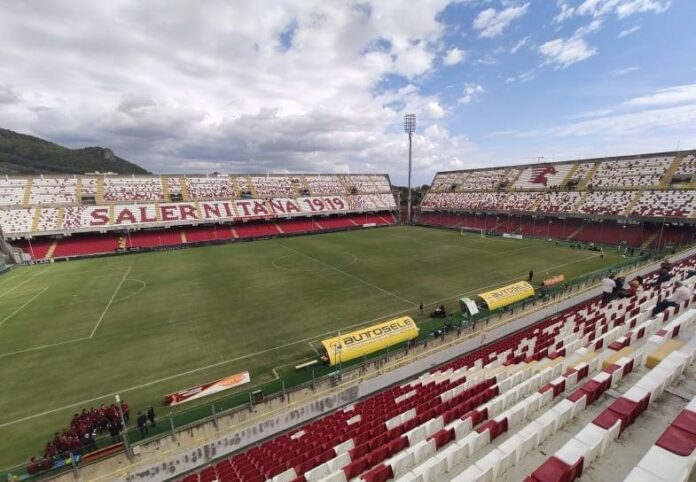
<point>381,473</point>
<point>555,470</point>
<point>686,421</point>
<point>355,468</point>
<point>677,441</point>
<point>607,419</point>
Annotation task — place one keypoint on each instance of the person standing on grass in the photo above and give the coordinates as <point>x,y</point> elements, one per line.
<point>531,275</point>
<point>142,424</point>
<point>151,414</point>
<point>608,285</point>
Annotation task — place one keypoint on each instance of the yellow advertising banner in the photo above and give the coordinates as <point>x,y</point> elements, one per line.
<point>507,295</point>
<point>369,340</point>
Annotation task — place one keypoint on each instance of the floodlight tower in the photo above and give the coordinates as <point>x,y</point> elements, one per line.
<point>409,128</point>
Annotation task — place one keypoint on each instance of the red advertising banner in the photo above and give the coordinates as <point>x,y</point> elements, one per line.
<point>206,389</point>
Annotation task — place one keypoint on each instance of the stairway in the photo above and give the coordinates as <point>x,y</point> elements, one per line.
<point>669,173</point>
<point>570,174</point>
<point>511,182</point>
<point>184,189</point>
<point>165,188</point>
<point>122,242</point>
<point>577,205</point>
<point>584,182</point>
<point>252,188</point>
<point>633,203</point>
<point>99,196</point>
<point>537,202</point>
<point>27,193</point>
<point>35,222</point>
<point>575,233</point>
<point>60,217</point>
<point>78,190</point>
<point>183,237</point>
<point>51,249</point>
<point>650,240</point>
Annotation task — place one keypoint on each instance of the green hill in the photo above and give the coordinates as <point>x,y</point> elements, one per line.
<point>22,154</point>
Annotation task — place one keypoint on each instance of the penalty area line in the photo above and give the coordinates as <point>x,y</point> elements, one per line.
<point>111,300</point>
<point>23,306</point>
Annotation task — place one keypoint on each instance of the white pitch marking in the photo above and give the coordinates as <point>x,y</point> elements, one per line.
<point>24,282</point>
<point>310,343</point>
<point>111,300</point>
<point>137,292</point>
<point>195,370</point>
<point>35,348</point>
<point>351,276</point>
<point>23,306</point>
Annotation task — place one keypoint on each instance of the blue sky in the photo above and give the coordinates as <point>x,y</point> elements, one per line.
<point>315,86</point>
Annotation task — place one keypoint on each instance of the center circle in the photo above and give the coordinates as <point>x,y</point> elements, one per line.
<point>300,263</point>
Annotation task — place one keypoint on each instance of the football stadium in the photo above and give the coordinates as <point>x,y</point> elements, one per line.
<point>296,326</point>
<point>296,282</point>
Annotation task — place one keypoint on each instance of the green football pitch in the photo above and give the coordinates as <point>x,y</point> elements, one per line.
<point>74,334</point>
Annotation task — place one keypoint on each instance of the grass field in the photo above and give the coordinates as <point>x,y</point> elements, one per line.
<point>74,334</point>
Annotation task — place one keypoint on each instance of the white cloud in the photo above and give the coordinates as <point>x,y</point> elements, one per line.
<point>630,7</point>
<point>455,56</point>
<point>621,8</point>
<point>470,92</point>
<point>623,71</point>
<point>673,118</point>
<point>627,32</point>
<point>565,13</point>
<point>490,22</point>
<point>565,52</point>
<point>235,86</point>
<point>679,94</point>
<point>519,45</point>
<point>524,76</point>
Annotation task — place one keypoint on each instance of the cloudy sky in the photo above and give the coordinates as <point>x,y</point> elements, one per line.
<point>319,86</point>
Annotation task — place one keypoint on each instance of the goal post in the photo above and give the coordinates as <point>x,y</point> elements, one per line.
<point>482,232</point>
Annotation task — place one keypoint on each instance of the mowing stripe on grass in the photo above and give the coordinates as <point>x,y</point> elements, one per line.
<point>111,300</point>
<point>367,283</point>
<point>231,360</point>
<point>24,282</point>
<point>23,306</point>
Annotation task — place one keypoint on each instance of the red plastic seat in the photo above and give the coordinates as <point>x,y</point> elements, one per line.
<point>677,441</point>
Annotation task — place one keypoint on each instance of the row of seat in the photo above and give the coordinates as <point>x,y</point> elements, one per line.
<point>649,234</point>
<point>632,173</point>
<point>649,203</point>
<point>673,456</point>
<point>570,461</point>
<point>71,189</point>
<point>94,243</point>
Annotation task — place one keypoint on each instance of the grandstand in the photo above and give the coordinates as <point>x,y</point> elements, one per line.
<point>555,388</point>
<point>642,200</point>
<point>59,216</point>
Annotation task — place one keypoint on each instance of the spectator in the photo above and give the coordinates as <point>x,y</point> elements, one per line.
<point>115,432</point>
<point>142,424</point>
<point>126,411</point>
<point>608,285</point>
<point>682,293</point>
<point>664,276</point>
<point>151,414</point>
